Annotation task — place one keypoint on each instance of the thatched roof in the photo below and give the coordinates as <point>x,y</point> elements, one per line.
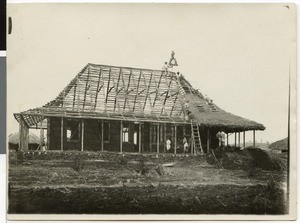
<point>280,145</point>
<point>14,138</point>
<point>123,93</point>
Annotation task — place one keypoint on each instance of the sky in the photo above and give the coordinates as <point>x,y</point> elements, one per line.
<point>237,54</point>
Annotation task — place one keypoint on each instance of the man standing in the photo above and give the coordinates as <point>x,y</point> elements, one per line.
<point>221,136</point>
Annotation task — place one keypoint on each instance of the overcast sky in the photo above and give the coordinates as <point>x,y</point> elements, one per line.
<point>238,55</point>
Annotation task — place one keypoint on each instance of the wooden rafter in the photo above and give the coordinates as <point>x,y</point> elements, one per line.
<point>167,94</point>
<point>118,90</point>
<point>148,94</point>
<point>86,88</point>
<point>137,90</point>
<point>127,91</point>
<point>98,90</point>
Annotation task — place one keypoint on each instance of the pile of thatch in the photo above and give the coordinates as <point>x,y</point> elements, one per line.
<point>281,145</point>
<point>250,158</point>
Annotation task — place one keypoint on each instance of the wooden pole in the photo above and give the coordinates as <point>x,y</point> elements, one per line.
<point>175,142</point>
<point>48,133</point>
<point>62,134</point>
<point>157,137</point>
<point>253,138</point>
<point>244,141</point>
<point>165,136</point>
<point>140,137</point>
<point>208,140</point>
<point>239,139</point>
<point>82,135</point>
<point>102,136</point>
<point>227,139</point>
<point>23,135</point>
<point>42,142</point>
<point>235,139</point>
<point>151,137</point>
<point>121,137</point>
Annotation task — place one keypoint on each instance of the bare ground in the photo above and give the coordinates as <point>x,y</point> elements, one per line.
<point>140,184</point>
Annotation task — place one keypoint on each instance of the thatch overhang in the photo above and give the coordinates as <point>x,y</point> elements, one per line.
<point>135,94</point>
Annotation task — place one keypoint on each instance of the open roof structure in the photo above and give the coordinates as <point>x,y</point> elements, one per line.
<point>134,94</point>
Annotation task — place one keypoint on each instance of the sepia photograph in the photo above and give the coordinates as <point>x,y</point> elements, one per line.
<point>151,111</point>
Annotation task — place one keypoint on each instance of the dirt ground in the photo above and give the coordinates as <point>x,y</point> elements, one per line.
<point>103,183</point>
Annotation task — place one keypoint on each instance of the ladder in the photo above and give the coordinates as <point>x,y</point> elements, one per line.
<point>197,146</point>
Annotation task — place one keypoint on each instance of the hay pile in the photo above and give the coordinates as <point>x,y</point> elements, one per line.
<point>280,145</point>
<point>249,158</point>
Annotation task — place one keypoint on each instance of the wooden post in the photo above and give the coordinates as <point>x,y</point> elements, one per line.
<point>239,139</point>
<point>253,138</point>
<point>62,134</point>
<point>175,142</point>
<point>102,136</point>
<point>157,137</point>
<point>227,139</point>
<point>151,137</point>
<point>121,137</point>
<point>172,140</point>
<point>235,139</point>
<point>23,135</point>
<point>244,141</point>
<point>165,137</point>
<point>82,135</point>
<point>140,137</point>
<point>42,142</point>
<point>208,140</point>
<point>48,133</point>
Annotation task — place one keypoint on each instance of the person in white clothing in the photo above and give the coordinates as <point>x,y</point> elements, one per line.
<point>168,145</point>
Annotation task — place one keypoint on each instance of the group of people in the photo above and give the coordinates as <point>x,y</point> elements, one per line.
<point>185,144</point>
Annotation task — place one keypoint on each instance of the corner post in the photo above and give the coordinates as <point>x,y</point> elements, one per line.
<point>23,135</point>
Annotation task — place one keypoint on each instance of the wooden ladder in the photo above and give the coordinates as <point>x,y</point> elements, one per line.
<point>197,145</point>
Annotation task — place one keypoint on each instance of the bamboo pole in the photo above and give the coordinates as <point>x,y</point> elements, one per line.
<point>62,134</point>
<point>121,137</point>
<point>239,139</point>
<point>82,134</point>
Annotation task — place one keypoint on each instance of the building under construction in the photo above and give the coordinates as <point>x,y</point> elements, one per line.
<point>124,109</point>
